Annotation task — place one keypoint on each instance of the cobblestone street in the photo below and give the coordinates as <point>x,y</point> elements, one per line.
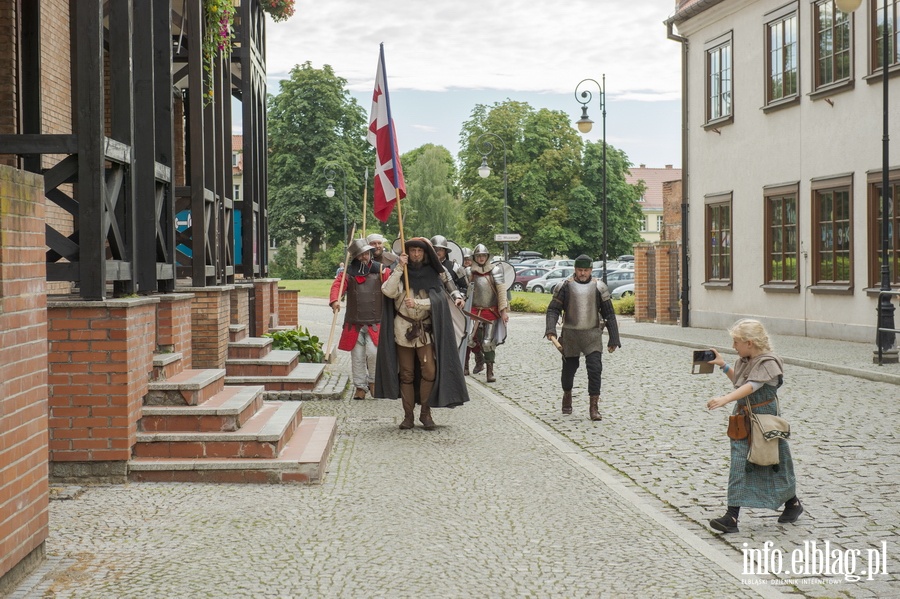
<point>509,498</point>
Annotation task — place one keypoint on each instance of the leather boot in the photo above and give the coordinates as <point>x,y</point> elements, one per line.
<point>425,418</point>
<point>372,390</point>
<point>595,412</point>
<point>479,363</point>
<point>408,397</point>
<point>425,414</point>
<point>360,393</point>
<point>567,402</point>
<point>490,373</point>
<point>466,364</point>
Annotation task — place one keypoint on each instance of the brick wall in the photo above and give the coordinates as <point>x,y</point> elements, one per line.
<point>666,282</point>
<point>671,211</point>
<point>288,308</point>
<point>265,305</point>
<point>210,315</point>
<point>173,326</point>
<point>8,74</point>
<point>642,287</point>
<point>100,360</point>
<point>240,303</point>
<point>23,370</point>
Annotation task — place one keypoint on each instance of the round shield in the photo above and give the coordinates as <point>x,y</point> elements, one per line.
<point>509,274</point>
<point>455,252</point>
<point>397,247</point>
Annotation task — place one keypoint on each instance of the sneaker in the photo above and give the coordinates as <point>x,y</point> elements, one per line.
<point>724,524</point>
<point>791,512</point>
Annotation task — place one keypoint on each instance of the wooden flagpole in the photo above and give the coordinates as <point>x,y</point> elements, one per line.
<point>330,355</point>
<point>402,241</point>
<point>365,195</point>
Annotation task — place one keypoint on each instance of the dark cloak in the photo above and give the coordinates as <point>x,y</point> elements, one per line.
<point>449,385</point>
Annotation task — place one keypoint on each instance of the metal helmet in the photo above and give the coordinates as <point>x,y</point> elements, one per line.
<point>439,242</point>
<point>467,253</point>
<point>481,249</point>
<point>357,247</point>
<point>374,237</point>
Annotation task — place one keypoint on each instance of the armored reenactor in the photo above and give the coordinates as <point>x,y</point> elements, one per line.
<point>362,285</point>
<point>586,308</point>
<point>489,310</point>
<point>457,271</point>
<point>468,257</point>
<point>419,356</point>
<point>380,254</point>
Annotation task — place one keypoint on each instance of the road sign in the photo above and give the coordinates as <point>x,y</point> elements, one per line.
<point>507,237</point>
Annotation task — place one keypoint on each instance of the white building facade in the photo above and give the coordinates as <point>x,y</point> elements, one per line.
<point>783,162</point>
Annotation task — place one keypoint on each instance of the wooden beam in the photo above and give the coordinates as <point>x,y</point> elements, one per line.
<point>33,144</point>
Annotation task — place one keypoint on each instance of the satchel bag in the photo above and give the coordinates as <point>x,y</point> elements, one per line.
<point>739,426</point>
<point>765,431</point>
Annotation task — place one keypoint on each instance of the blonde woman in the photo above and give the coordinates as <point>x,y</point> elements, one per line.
<point>756,375</point>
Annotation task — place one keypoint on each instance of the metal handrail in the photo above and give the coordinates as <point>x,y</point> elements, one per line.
<point>878,329</point>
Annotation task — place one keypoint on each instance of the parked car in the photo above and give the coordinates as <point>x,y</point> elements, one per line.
<point>527,274</point>
<point>551,264</point>
<point>524,255</point>
<point>551,288</point>
<point>626,258</point>
<point>614,280</point>
<point>539,285</point>
<point>623,291</point>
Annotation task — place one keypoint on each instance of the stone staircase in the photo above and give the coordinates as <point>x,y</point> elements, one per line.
<point>252,361</point>
<point>205,425</point>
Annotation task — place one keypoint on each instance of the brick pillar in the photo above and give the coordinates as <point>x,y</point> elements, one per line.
<point>210,314</point>
<point>265,305</point>
<point>101,356</point>
<point>240,303</point>
<point>642,287</point>
<point>173,326</point>
<point>288,308</point>
<point>23,375</point>
<point>666,282</point>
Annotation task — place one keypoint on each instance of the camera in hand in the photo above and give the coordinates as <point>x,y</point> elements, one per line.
<point>704,355</point>
<point>700,364</point>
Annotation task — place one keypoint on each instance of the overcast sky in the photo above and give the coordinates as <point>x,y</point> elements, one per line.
<point>445,57</point>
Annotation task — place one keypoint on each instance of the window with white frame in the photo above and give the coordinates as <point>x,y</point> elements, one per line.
<point>659,222</point>
<point>782,47</point>
<point>719,79</point>
<point>643,223</point>
<point>237,193</point>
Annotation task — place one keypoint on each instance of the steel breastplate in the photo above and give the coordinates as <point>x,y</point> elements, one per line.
<point>483,291</point>
<point>364,300</point>
<point>582,311</point>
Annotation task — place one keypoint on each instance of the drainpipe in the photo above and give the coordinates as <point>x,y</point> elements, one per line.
<point>685,210</point>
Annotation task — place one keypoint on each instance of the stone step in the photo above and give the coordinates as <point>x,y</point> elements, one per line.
<point>304,377</point>
<point>274,363</point>
<point>165,366</point>
<point>331,385</point>
<point>228,410</point>
<point>187,388</point>
<point>262,436</point>
<point>303,460</point>
<point>249,348</point>
<point>236,332</point>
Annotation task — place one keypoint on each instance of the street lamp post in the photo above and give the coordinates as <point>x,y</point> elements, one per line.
<point>484,171</point>
<point>885,340</point>
<point>584,125</point>
<point>329,191</point>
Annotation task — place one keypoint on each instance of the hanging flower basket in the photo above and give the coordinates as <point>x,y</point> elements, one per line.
<point>217,36</point>
<point>279,10</point>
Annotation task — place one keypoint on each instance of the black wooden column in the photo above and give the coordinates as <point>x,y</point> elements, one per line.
<point>196,159</point>
<point>88,113</point>
<point>122,117</point>
<point>164,143</point>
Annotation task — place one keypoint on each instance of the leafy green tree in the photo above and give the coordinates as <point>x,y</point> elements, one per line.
<point>431,206</point>
<point>622,205</point>
<point>543,155</point>
<point>314,121</point>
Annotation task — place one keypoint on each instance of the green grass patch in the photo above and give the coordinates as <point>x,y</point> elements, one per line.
<point>309,287</point>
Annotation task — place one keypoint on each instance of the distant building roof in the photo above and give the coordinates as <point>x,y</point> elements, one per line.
<point>653,179</point>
